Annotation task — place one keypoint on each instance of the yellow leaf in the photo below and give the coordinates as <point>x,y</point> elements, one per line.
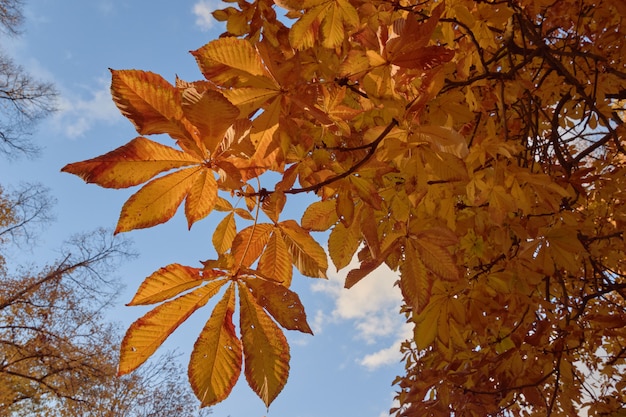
<point>225,59</point>
<point>282,303</point>
<point>265,348</point>
<point>145,335</point>
<point>157,201</point>
<point>211,113</point>
<point>215,363</point>
<point>437,259</point>
<point>306,254</point>
<point>272,205</point>
<point>131,164</point>
<point>165,283</point>
<point>224,234</point>
<point>343,243</point>
<point>153,105</point>
<point>201,198</point>
<point>250,242</point>
<point>302,33</point>
<point>320,216</point>
<point>275,262</point>
<point>415,283</point>
<point>250,99</point>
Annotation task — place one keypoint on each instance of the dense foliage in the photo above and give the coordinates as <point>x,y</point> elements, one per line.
<point>475,147</point>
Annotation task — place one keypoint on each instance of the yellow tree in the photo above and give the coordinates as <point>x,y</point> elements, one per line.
<point>475,147</point>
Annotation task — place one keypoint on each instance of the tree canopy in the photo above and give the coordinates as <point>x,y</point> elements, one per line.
<point>476,147</point>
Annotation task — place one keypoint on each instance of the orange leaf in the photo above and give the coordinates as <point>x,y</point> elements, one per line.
<point>265,348</point>
<point>415,283</point>
<point>306,254</point>
<point>215,363</point>
<point>131,164</point>
<point>320,216</point>
<point>157,201</point>
<point>226,59</point>
<point>250,242</point>
<point>224,234</point>
<point>211,113</point>
<point>201,198</point>
<point>275,262</point>
<point>343,243</point>
<point>145,335</point>
<point>153,105</point>
<point>165,283</point>
<point>282,303</point>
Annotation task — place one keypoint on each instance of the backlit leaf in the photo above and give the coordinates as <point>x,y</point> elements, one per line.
<point>216,359</point>
<point>131,164</point>
<point>306,254</point>
<point>201,198</point>
<point>224,234</point>
<point>250,242</point>
<point>146,334</point>
<point>275,261</point>
<point>320,216</point>
<point>266,352</point>
<point>157,201</point>
<point>282,303</point>
<point>165,283</point>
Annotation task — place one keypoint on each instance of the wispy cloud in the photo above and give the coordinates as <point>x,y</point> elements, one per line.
<point>81,111</point>
<point>202,10</point>
<point>372,306</point>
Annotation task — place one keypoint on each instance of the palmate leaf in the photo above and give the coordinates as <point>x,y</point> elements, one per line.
<point>215,363</point>
<point>275,261</point>
<point>266,352</point>
<point>250,242</point>
<point>282,303</point>
<point>157,201</point>
<point>165,283</point>
<point>306,254</point>
<point>320,215</point>
<point>225,59</point>
<point>224,234</point>
<point>201,198</point>
<point>132,164</point>
<point>154,106</point>
<point>211,113</point>
<point>343,243</point>
<point>146,334</point>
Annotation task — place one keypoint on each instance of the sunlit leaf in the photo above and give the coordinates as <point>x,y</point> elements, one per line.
<point>201,197</point>
<point>157,201</point>
<point>146,334</point>
<point>306,254</point>
<point>283,304</point>
<point>131,164</point>
<point>165,283</point>
<point>216,359</point>
<point>266,352</point>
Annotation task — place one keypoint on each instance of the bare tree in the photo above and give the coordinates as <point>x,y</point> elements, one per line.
<point>23,100</point>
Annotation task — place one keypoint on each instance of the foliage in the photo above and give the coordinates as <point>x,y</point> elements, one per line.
<point>476,147</point>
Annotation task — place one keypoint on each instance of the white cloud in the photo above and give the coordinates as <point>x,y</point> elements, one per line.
<point>373,306</point>
<point>202,10</point>
<point>79,113</point>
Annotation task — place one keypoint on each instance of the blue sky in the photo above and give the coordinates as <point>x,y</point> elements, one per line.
<point>346,369</point>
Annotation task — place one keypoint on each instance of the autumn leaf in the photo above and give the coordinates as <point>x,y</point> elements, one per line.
<point>306,254</point>
<point>165,283</point>
<point>275,261</point>
<point>131,164</point>
<point>216,359</point>
<point>157,201</point>
<point>146,334</point>
<point>266,352</point>
<point>283,304</point>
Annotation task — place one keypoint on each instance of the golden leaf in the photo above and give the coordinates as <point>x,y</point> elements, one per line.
<point>146,334</point>
<point>265,348</point>
<point>157,201</point>
<point>165,283</point>
<point>216,359</point>
<point>306,254</point>
<point>131,164</point>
